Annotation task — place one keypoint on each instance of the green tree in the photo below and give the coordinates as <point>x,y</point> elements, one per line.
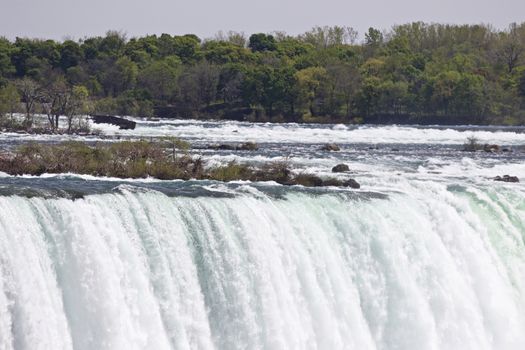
<point>230,82</point>
<point>368,96</point>
<point>112,45</point>
<point>9,100</point>
<point>393,97</point>
<point>186,47</point>
<point>30,55</point>
<point>7,69</point>
<point>343,81</point>
<point>309,80</point>
<point>119,76</point>
<point>159,79</point>
<point>220,52</point>
<point>70,54</point>
<point>262,42</point>
<point>521,84</point>
<point>459,94</point>
<point>198,85</point>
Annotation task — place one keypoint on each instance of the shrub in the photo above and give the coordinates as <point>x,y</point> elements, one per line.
<point>472,144</point>
<point>231,171</point>
<point>140,159</point>
<point>275,171</point>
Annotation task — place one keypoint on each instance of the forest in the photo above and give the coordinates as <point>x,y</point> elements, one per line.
<point>413,73</point>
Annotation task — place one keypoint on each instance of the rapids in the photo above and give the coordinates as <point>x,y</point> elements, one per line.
<point>428,254</point>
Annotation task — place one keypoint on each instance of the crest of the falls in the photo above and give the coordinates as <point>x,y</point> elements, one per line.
<point>429,266</point>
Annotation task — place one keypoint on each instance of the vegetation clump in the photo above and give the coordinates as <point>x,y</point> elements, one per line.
<point>127,159</point>
<point>472,145</point>
<point>231,172</point>
<point>166,159</point>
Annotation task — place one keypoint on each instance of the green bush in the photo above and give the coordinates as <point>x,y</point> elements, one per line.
<point>472,144</point>
<point>231,171</point>
<point>141,159</point>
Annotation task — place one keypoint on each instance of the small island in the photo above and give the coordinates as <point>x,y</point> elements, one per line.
<point>166,159</point>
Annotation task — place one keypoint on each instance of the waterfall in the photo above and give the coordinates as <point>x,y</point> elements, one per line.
<point>429,266</point>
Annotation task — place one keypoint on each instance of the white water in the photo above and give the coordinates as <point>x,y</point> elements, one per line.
<point>439,263</point>
<point>287,133</point>
<point>430,267</point>
<point>301,133</point>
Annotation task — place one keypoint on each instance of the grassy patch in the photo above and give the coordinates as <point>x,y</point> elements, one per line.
<point>166,160</point>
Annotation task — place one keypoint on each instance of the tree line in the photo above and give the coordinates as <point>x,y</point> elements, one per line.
<point>412,73</point>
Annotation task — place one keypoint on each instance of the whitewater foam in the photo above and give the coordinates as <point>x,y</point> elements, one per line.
<point>287,133</point>
<point>433,266</point>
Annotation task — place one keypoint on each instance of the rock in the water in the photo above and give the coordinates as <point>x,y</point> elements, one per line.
<point>341,183</point>
<point>330,147</point>
<point>309,180</point>
<point>491,148</point>
<point>225,147</point>
<point>507,178</point>
<point>122,123</point>
<point>248,146</point>
<point>340,168</point>
<point>351,183</point>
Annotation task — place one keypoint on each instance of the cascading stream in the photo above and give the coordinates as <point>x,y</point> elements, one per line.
<point>430,266</point>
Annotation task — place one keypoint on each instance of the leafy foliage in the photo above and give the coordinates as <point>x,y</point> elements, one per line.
<point>416,72</point>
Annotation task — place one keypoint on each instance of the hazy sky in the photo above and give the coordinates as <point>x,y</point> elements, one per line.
<point>58,19</point>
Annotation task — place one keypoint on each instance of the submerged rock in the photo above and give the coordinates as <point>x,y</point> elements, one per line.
<point>340,168</point>
<point>225,147</point>
<point>247,146</point>
<point>309,180</point>
<point>341,183</point>
<point>351,183</point>
<point>331,147</point>
<point>507,178</point>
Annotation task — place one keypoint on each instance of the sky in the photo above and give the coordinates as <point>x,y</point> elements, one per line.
<point>61,19</point>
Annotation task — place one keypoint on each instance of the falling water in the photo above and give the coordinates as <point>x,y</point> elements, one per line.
<point>428,265</point>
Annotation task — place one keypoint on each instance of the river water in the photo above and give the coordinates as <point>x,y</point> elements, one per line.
<point>428,254</point>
